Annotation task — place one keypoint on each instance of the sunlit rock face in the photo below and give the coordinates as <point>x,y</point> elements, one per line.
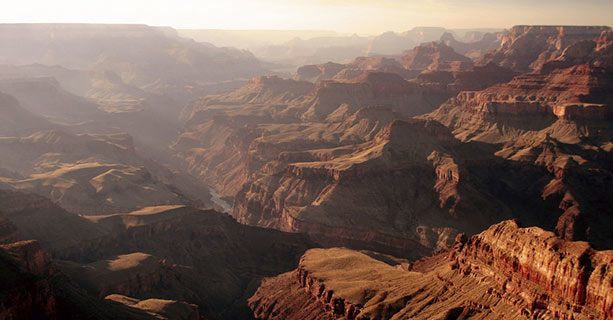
<point>328,161</point>
<point>503,272</point>
<point>526,48</point>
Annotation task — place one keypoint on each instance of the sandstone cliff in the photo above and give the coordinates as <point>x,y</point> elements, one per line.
<point>505,272</point>
<point>526,48</point>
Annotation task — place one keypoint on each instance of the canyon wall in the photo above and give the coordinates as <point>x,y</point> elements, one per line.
<point>503,272</point>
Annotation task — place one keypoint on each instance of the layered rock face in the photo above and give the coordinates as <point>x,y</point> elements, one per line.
<point>547,118</point>
<point>230,137</point>
<point>172,253</point>
<point>316,72</point>
<point>527,261</point>
<point>334,201</point>
<point>372,89</point>
<point>32,287</point>
<point>218,263</point>
<point>479,77</point>
<point>504,272</point>
<point>435,56</point>
<point>526,48</point>
<point>560,97</point>
<point>295,166</point>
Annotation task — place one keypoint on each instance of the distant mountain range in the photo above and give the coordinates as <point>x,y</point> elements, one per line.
<point>306,47</point>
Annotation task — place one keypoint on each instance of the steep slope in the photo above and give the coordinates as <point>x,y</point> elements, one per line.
<point>159,308</point>
<point>16,120</point>
<point>218,265</point>
<point>372,89</point>
<point>408,187</point>
<point>229,137</point>
<point>550,118</point>
<point>172,253</point>
<point>45,97</point>
<point>496,274</point>
<point>560,102</point>
<point>33,288</point>
<point>28,216</point>
<point>398,193</point>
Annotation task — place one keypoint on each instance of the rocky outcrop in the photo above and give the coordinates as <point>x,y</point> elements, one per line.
<point>26,291</point>
<point>28,216</point>
<point>160,308</point>
<point>168,252</point>
<point>314,73</point>
<point>334,200</point>
<point>545,119</point>
<point>568,279</point>
<point>478,78</point>
<point>526,48</point>
<point>504,272</point>
<point>531,103</point>
<point>31,255</point>
<point>232,136</point>
<point>372,89</point>
<point>32,287</point>
<point>201,257</point>
<point>133,274</point>
<point>435,56</point>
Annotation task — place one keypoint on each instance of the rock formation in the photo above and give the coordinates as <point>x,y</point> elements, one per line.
<point>159,308</point>
<point>32,287</point>
<point>231,136</point>
<point>435,56</point>
<point>526,48</point>
<point>504,272</point>
<point>546,118</point>
<point>429,162</point>
<point>294,167</point>
<point>136,254</point>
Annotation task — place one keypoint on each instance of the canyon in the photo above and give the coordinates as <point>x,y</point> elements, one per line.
<point>326,158</point>
<point>431,174</point>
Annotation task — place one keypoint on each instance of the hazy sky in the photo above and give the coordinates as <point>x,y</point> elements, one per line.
<point>361,16</point>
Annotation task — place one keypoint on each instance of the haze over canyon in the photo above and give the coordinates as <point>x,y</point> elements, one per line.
<point>157,172</point>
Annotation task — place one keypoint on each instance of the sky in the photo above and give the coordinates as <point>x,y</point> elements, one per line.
<point>346,16</point>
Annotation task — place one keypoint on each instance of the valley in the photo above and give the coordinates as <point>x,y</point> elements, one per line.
<point>437,173</point>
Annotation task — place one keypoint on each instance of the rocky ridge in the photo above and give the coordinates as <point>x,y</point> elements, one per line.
<point>495,274</point>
